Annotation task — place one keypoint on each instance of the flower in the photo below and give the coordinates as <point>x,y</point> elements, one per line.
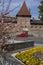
<point>33,56</point>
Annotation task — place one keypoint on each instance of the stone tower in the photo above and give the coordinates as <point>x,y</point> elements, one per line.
<point>23,17</point>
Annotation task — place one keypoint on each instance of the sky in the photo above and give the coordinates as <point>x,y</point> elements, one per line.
<point>31,4</point>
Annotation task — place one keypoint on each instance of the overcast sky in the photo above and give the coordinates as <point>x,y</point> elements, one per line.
<point>31,4</point>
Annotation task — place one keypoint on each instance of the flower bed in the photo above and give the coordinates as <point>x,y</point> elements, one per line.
<point>33,56</point>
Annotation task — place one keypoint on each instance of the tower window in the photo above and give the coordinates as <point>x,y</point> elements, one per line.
<point>25,26</point>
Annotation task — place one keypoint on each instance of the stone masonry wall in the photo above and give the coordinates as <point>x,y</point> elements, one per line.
<point>36,30</point>
<point>23,22</point>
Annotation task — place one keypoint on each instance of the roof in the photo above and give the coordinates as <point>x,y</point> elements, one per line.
<point>24,11</point>
<point>36,22</point>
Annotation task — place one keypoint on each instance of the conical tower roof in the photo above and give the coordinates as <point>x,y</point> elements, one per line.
<point>24,11</point>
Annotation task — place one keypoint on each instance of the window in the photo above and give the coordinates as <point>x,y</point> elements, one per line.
<point>31,26</point>
<point>21,26</point>
<point>40,27</point>
<point>35,26</point>
<point>25,26</point>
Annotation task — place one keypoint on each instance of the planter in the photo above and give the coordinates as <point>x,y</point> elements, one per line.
<point>16,45</point>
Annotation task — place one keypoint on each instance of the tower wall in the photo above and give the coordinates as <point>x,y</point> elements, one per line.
<point>23,22</point>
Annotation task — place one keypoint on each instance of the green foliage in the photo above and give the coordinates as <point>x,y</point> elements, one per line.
<point>41,8</point>
<point>41,11</point>
<point>41,18</point>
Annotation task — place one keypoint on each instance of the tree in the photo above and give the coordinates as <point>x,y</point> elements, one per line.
<point>3,29</point>
<point>41,11</point>
<point>3,53</point>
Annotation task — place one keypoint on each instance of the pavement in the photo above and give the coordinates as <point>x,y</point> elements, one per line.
<point>9,61</point>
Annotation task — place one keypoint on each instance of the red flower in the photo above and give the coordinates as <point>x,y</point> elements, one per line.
<point>22,35</point>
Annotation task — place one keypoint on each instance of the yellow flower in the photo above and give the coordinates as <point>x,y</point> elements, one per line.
<point>27,56</point>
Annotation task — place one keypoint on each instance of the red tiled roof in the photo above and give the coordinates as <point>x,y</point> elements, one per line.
<point>24,11</point>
